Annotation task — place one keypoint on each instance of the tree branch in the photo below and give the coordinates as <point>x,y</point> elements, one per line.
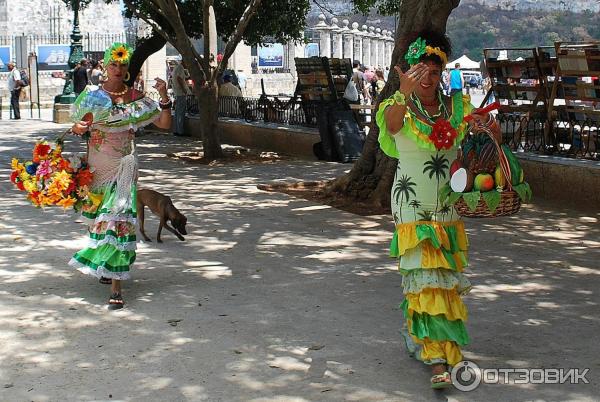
<point>236,36</point>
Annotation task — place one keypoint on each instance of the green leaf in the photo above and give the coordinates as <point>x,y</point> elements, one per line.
<point>453,197</point>
<point>524,191</point>
<point>491,199</point>
<point>472,199</point>
<point>444,192</point>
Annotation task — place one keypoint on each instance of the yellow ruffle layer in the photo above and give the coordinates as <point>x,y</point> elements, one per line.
<point>435,301</point>
<point>447,350</point>
<point>436,247</point>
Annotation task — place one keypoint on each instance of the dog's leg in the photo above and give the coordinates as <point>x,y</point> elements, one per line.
<point>160,226</point>
<point>176,233</point>
<point>140,216</point>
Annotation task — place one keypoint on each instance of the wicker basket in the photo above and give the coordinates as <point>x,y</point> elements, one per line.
<point>510,203</point>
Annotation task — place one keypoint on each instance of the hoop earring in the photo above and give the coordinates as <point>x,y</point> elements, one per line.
<point>127,77</point>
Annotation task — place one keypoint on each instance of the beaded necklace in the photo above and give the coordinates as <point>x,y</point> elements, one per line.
<point>442,109</point>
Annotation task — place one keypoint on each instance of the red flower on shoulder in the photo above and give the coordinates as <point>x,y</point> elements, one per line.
<point>442,134</point>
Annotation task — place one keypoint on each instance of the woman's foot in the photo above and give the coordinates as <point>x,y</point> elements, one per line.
<point>441,378</point>
<point>115,302</point>
<point>105,281</point>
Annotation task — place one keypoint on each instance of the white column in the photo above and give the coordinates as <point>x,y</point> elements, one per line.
<point>324,37</point>
<point>348,40</point>
<point>384,49</point>
<point>373,38</point>
<point>358,55</point>
<point>366,53</point>
<point>390,47</point>
<point>337,38</point>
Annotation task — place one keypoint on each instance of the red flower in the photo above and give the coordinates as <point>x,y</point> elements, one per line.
<point>84,177</point>
<point>20,186</point>
<point>442,134</point>
<point>13,177</point>
<point>40,152</point>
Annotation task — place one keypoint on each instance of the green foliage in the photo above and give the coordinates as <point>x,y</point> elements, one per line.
<point>384,7</point>
<point>278,20</point>
<point>491,199</point>
<point>473,27</point>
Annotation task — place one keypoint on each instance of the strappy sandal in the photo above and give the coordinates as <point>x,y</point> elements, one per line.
<point>105,281</point>
<point>440,381</point>
<point>115,302</point>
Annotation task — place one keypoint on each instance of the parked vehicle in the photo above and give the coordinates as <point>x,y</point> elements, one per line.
<point>473,79</point>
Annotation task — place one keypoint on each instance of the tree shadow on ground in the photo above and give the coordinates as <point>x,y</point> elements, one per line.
<point>277,298</point>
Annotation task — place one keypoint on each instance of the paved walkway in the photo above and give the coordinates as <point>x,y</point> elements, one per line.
<point>273,298</point>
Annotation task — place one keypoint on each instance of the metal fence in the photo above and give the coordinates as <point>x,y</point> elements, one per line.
<point>268,109</point>
<point>92,42</point>
<point>571,135</point>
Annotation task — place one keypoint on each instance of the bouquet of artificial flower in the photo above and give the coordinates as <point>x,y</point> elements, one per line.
<point>51,178</point>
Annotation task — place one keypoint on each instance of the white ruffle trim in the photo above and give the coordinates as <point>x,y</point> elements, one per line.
<point>108,217</point>
<point>108,239</point>
<point>418,279</point>
<point>100,272</point>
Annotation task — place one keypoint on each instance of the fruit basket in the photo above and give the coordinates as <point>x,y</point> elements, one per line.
<point>486,180</point>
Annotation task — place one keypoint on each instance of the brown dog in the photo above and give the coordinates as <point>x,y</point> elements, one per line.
<point>163,207</point>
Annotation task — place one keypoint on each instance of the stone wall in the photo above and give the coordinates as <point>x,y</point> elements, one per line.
<point>32,17</point>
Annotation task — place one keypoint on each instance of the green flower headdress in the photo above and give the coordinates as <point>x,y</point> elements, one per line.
<point>418,48</point>
<point>119,52</point>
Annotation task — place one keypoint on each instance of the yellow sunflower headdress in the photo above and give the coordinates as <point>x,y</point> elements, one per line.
<point>119,52</point>
<point>418,48</point>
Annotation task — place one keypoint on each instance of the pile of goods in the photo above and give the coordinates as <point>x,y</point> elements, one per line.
<point>486,180</point>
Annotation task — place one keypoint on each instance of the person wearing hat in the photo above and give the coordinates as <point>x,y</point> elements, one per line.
<point>14,87</point>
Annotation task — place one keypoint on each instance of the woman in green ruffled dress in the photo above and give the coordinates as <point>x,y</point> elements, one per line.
<point>422,128</point>
<point>110,204</point>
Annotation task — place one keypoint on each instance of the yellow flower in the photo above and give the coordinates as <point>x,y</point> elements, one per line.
<point>66,202</point>
<point>30,185</point>
<point>120,54</point>
<point>95,198</point>
<point>14,164</point>
<point>62,179</point>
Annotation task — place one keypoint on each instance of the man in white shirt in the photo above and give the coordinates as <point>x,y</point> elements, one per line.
<point>228,90</point>
<point>180,91</point>
<point>14,87</point>
<point>242,80</point>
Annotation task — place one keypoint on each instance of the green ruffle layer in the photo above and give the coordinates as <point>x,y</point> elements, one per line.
<point>460,107</point>
<point>106,256</point>
<point>108,200</point>
<point>436,327</point>
<point>427,232</point>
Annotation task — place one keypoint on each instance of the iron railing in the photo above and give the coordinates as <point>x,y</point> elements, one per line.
<point>268,109</point>
<point>571,135</point>
<point>92,42</point>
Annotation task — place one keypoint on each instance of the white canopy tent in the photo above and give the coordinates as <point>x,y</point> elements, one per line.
<point>465,63</point>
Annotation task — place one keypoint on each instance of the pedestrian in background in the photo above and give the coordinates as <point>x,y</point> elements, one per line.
<point>457,81</point>
<point>96,76</point>
<point>14,87</point>
<point>180,91</point>
<point>80,77</point>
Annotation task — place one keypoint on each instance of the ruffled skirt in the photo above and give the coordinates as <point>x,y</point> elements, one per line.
<point>432,256</point>
<point>111,236</point>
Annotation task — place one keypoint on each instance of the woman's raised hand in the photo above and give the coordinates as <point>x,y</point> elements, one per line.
<point>80,127</point>
<point>410,79</point>
<point>161,87</point>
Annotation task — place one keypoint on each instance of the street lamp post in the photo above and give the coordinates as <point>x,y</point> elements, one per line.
<point>68,95</point>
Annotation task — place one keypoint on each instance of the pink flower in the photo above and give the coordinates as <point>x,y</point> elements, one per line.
<point>44,168</point>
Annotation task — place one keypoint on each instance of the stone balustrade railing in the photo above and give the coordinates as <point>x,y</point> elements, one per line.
<point>369,45</point>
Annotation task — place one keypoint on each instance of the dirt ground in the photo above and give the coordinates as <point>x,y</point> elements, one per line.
<point>276,298</point>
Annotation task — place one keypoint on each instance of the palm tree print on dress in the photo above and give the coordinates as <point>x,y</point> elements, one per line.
<point>426,215</point>
<point>403,190</point>
<point>415,204</point>
<point>444,210</point>
<point>438,166</point>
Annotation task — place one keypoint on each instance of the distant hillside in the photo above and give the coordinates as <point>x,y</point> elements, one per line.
<point>477,24</point>
<point>473,27</point>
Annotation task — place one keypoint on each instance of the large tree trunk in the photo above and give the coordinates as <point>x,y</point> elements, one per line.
<point>208,97</point>
<point>372,176</point>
